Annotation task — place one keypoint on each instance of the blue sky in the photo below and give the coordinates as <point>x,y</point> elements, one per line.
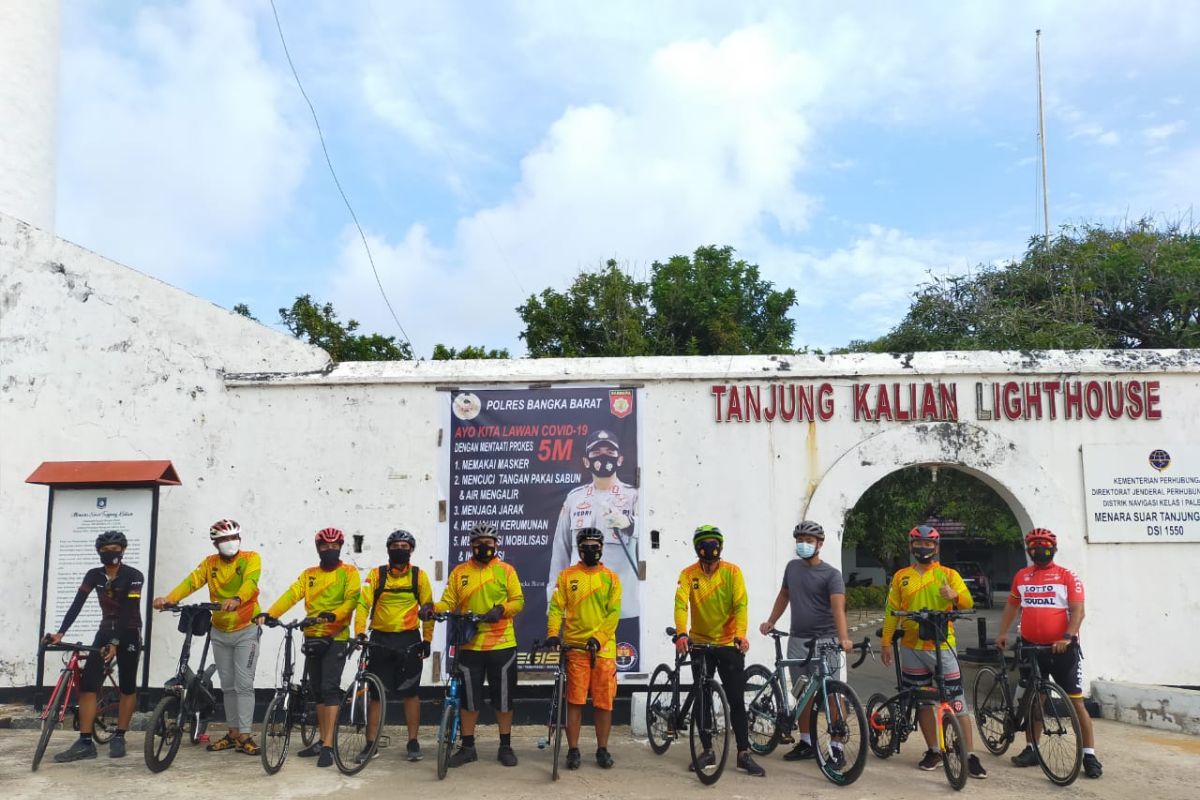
<point>494,149</point>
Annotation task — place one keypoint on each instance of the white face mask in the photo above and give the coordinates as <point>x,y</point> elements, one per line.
<point>228,549</point>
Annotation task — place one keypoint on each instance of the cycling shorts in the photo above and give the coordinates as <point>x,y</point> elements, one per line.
<point>583,678</point>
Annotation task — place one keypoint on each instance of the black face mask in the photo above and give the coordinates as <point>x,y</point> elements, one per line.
<point>709,551</point>
<point>924,556</point>
<point>108,558</point>
<point>602,465</point>
<point>483,553</point>
<point>398,558</point>
<point>1041,556</point>
<point>589,554</point>
<point>330,558</point>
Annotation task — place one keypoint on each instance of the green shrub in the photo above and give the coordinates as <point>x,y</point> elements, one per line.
<point>866,597</point>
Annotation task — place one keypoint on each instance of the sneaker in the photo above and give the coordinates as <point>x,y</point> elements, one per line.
<point>367,753</point>
<point>116,748</point>
<point>574,759</point>
<point>463,755</point>
<point>974,768</point>
<point>836,758</point>
<point>603,758</point>
<point>312,751</point>
<point>707,759</point>
<point>326,757</point>
<point>414,750</point>
<point>1091,766</point>
<point>76,752</point>
<point>1025,758</point>
<point>506,756</point>
<point>931,761</point>
<point>747,765</point>
<point>800,752</point>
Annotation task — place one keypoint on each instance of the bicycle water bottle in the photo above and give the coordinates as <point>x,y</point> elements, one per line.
<point>799,684</point>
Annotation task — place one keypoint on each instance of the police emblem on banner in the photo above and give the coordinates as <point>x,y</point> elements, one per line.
<point>466,406</point>
<point>620,402</point>
<point>1159,459</point>
<point>101,502</point>
<point>626,655</point>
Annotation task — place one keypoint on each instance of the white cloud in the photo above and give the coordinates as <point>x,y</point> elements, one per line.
<point>1160,133</point>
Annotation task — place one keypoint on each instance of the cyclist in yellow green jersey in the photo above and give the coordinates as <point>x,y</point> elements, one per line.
<point>713,592</point>
<point>329,588</point>
<point>485,585</point>
<point>231,575</point>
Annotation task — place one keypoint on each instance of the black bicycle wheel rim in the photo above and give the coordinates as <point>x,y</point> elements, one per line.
<point>163,734</point>
<point>57,698</point>
<point>764,704</point>
<point>108,708</point>
<point>992,706</point>
<point>308,722</point>
<point>837,722</point>
<point>710,719</point>
<point>659,709</point>
<point>276,733</point>
<point>559,720</point>
<point>881,724</point>
<point>445,740</point>
<point>1059,748</point>
<point>350,734</point>
<point>954,751</point>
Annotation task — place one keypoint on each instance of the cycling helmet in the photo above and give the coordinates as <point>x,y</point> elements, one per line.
<point>224,527</point>
<point>484,530</point>
<point>401,535</point>
<point>1041,535</point>
<point>602,439</point>
<point>589,535</point>
<point>708,532</point>
<point>926,533</point>
<point>330,536</point>
<point>808,528</point>
<point>111,537</point>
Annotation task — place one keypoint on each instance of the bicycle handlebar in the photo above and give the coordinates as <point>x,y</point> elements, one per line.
<point>930,615</point>
<point>865,647</point>
<point>69,648</point>
<point>469,616</point>
<point>307,622</point>
<point>177,607</point>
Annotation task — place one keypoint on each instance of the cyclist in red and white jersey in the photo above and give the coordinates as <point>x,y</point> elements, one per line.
<point>1049,598</point>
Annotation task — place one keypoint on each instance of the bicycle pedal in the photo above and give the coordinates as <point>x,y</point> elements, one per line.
<point>787,738</point>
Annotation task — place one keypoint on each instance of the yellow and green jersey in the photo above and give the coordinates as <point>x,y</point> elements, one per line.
<point>226,579</point>
<point>586,603</point>
<point>718,604</point>
<point>398,604</point>
<point>477,588</point>
<point>334,590</point>
<point>912,591</point>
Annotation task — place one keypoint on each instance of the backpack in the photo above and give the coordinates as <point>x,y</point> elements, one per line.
<point>383,571</point>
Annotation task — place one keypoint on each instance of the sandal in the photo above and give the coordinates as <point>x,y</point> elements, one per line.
<point>248,747</point>
<point>226,742</point>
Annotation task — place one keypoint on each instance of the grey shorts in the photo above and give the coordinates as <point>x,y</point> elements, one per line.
<point>797,648</point>
<point>916,669</point>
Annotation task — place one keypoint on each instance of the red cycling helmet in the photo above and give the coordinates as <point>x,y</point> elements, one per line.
<point>330,536</point>
<point>926,533</point>
<point>1041,535</point>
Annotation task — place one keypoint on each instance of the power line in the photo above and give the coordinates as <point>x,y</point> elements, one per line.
<point>336,182</point>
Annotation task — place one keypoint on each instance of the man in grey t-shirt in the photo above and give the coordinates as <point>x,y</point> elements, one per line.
<point>817,595</point>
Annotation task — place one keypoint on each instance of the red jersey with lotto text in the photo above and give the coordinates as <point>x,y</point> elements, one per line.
<point>1044,596</point>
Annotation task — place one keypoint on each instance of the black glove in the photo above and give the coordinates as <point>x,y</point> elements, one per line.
<point>425,612</point>
<point>424,650</point>
<point>494,615</point>
<point>327,616</point>
<point>593,644</point>
<point>552,641</point>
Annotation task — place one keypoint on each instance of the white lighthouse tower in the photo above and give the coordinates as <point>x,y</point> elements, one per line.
<point>29,58</point>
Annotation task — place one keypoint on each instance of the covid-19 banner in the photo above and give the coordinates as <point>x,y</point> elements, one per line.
<point>540,464</point>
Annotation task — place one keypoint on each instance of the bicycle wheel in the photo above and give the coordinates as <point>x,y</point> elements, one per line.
<point>308,721</point>
<point>764,707</point>
<point>558,719</point>
<point>839,731</point>
<point>1059,748</point>
<point>350,735</point>
<point>954,750</point>
<point>58,698</point>
<point>993,709</point>
<point>276,732</point>
<point>709,732</point>
<point>108,707</point>
<point>882,715</point>
<point>163,734</point>
<point>447,733</point>
<point>660,728</point>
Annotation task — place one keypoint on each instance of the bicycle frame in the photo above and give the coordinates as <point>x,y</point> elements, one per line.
<point>72,672</point>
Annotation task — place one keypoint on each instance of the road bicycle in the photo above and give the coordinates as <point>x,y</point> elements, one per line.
<point>1045,712</point>
<point>556,724</point>
<point>64,698</point>
<point>353,744</point>
<point>836,721</point>
<point>189,698</point>
<point>461,629</point>
<point>704,712</point>
<point>293,704</point>
<point>892,719</point>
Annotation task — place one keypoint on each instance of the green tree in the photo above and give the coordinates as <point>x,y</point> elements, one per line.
<point>1092,287</point>
<point>318,324</point>
<point>470,352</point>
<point>706,304</point>
<point>883,516</point>
<point>243,310</point>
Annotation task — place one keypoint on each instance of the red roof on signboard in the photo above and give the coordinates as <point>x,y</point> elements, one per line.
<point>55,473</point>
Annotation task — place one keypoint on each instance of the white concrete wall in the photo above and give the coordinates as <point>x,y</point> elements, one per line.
<point>29,47</point>
<point>357,447</point>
